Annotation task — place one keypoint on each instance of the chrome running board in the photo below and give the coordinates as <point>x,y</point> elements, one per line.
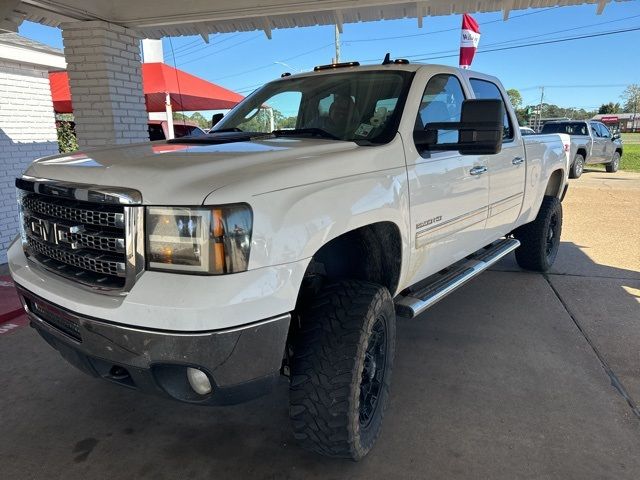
<point>415,300</point>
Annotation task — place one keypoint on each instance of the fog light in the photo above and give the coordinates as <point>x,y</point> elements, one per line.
<point>198,381</point>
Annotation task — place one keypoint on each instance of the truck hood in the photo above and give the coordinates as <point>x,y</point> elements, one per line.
<point>184,174</point>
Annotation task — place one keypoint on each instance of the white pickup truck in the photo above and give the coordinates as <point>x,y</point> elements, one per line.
<point>202,269</point>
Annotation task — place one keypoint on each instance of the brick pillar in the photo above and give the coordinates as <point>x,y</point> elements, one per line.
<point>105,76</point>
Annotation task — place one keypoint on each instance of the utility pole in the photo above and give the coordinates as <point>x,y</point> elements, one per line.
<point>539,126</point>
<point>337,40</point>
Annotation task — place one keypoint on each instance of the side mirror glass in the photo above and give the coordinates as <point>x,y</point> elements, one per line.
<point>215,118</point>
<point>480,130</point>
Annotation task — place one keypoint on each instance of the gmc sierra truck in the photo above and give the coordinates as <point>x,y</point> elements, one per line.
<point>287,240</point>
<point>591,142</point>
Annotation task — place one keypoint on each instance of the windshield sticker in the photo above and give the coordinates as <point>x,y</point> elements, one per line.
<point>363,130</point>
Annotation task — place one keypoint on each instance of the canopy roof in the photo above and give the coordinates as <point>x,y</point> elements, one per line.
<point>158,18</point>
<point>187,92</point>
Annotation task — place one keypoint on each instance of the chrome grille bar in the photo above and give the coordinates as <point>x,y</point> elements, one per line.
<point>85,261</point>
<point>53,208</point>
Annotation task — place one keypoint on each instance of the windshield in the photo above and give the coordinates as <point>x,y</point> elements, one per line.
<point>572,128</point>
<point>353,106</point>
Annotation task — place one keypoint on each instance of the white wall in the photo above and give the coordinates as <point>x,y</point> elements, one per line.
<point>27,132</point>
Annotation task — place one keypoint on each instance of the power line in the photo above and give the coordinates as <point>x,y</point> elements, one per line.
<point>221,50</point>
<point>611,85</point>
<point>199,48</point>
<point>262,67</point>
<point>452,51</point>
<point>547,42</point>
<point>444,30</point>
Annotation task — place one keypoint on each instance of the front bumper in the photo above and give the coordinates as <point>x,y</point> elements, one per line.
<point>241,363</point>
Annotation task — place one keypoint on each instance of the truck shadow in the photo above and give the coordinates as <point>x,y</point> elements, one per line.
<point>494,372</point>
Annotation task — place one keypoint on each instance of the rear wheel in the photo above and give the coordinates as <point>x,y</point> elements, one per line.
<point>540,239</point>
<point>578,166</point>
<point>341,369</point>
<point>615,163</point>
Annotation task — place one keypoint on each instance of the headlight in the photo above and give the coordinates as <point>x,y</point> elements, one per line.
<point>205,240</point>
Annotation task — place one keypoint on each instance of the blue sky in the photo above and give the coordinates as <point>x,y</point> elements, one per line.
<point>580,73</point>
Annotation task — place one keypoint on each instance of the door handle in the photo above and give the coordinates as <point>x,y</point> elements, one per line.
<point>517,161</point>
<point>479,170</point>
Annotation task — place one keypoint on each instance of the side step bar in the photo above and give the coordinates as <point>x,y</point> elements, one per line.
<point>415,300</point>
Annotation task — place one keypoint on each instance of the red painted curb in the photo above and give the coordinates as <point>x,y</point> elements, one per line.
<point>10,306</point>
<point>6,316</point>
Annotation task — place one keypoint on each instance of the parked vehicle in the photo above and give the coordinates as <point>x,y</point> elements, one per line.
<point>591,143</point>
<point>201,269</point>
<point>159,129</point>
<point>527,131</point>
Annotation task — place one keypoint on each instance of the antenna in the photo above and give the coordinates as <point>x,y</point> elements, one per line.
<point>387,59</point>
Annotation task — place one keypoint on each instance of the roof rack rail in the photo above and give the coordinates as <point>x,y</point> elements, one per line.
<point>336,65</point>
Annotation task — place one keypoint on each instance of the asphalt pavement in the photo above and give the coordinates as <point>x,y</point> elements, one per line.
<point>515,375</point>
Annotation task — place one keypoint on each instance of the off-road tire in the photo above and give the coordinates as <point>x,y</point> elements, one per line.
<point>577,167</point>
<point>337,329</point>
<point>540,239</point>
<point>615,163</point>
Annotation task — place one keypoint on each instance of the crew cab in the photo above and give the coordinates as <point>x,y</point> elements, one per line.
<point>591,142</point>
<point>203,268</point>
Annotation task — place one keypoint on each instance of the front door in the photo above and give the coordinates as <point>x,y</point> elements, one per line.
<point>448,191</point>
<point>506,169</point>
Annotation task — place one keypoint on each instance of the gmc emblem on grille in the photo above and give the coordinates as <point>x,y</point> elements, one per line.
<point>52,232</point>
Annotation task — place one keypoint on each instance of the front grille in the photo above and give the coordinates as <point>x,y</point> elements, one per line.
<point>84,241</point>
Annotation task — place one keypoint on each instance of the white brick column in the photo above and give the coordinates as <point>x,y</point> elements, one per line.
<point>27,131</point>
<point>105,76</point>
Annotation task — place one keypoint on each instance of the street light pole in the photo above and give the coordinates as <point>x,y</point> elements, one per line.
<point>540,110</point>
<point>337,40</point>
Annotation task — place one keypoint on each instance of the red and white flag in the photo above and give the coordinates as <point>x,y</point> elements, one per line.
<point>468,40</point>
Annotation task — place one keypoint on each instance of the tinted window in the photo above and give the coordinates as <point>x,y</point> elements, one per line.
<point>595,131</point>
<point>155,132</point>
<point>487,90</point>
<point>604,131</point>
<point>441,102</point>
<point>570,128</point>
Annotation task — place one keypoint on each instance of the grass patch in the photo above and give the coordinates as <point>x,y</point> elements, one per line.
<point>630,138</point>
<point>631,156</point>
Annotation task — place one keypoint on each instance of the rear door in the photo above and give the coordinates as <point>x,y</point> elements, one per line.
<point>506,169</point>
<point>608,147</point>
<point>448,191</point>
<point>599,144</point>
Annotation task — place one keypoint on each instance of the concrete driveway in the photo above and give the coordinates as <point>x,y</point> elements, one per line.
<point>516,375</point>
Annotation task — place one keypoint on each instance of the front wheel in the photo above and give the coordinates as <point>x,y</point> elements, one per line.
<point>578,167</point>
<point>615,163</point>
<point>341,369</point>
<point>540,239</point>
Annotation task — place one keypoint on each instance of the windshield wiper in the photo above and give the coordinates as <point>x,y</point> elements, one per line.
<point>318,132</point>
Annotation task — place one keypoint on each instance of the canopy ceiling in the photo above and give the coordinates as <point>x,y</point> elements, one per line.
<point>187,92</point>
<point>158,18</point>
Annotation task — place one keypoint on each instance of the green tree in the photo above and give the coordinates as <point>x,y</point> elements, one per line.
<point>631,97</point>
<point>515,98</point>
<point>67,141</point>
<point>610,107</point>
<point>202,122</point>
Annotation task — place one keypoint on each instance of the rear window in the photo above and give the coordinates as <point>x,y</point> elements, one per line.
<point>570,128</point>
